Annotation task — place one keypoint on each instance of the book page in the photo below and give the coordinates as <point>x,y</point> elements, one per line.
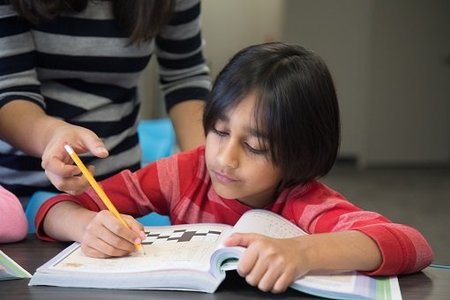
<point>254,221</point>
<point>9,269</point>
<point>267,223</point>
<point>166,247</point>
<point>340,285</point>
<point>339,282</point>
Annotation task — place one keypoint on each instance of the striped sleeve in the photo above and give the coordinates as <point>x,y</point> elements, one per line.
<point>18,79</point>
<point>184,74</point>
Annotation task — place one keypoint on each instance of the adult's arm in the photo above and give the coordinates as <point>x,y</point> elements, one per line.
<point>187,121</point>
<point>184,74</point>
<point>24,122</point>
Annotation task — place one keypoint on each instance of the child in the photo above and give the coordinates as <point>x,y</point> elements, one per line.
<point>272,128</point>
<point>13,223</point>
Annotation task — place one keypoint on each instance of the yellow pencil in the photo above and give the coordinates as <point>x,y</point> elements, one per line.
<point>98,189</point>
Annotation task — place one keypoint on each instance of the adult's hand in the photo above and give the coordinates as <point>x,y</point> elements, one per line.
<point>41,135</point>
<point>58,165</point>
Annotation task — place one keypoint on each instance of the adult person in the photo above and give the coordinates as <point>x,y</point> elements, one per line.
<point>68,74</point>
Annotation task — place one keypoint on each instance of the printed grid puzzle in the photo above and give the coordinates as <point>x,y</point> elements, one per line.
<point>181,235</point>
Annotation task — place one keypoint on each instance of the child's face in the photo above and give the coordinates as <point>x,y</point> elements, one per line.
<point>238,161</point>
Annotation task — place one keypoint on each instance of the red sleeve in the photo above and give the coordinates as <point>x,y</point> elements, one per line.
<point>156,187</point>
<point>83,199</point>
<point>404,249</point>
<point>175,176</point>
<point>123,189</point>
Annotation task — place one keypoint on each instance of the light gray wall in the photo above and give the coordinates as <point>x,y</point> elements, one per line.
<point>152,103</point>
<point>409,104</point>
<point>340,32</point>
<point>230,25</point>
<point>388,59</point>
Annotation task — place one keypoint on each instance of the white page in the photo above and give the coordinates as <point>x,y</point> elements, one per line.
<point>267,223</point>
<point>161,253</point>
<point>262,222</point>
<point>272,225</point>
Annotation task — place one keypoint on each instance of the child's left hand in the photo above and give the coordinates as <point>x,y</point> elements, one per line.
<point>268,263</point>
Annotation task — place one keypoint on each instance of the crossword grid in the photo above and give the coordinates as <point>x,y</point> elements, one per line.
<point>181,235</point>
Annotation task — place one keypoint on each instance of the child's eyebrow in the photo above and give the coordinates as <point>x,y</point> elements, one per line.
<point>258,134</point>
<point>251,130</point>
<point>223,117</point>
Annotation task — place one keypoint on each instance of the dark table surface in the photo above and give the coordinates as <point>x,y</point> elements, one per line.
<point>432,283</point>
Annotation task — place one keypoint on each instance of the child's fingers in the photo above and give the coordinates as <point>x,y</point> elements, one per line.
<point>117,234</point>
<point>269,278</point>
<point>282,283</point>
<point>113,224</point>
<point>257,269</point>
<point>135,226</point>
<point>101,249</point>
<point>249,258</point>
<point>240,239</point>
<point>253,268</point>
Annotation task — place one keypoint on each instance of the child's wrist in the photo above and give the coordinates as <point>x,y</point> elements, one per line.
<point>309,256</point>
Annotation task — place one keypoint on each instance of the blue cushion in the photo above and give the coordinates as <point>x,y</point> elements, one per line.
<point>157,139</point>
<point>154,219</point>
<point>36,200</point>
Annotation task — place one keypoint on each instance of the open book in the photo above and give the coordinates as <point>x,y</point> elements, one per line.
<point>192,257</point>
<point>9,269</point>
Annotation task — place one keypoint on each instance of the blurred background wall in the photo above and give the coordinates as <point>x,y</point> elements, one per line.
<point>390,61</point>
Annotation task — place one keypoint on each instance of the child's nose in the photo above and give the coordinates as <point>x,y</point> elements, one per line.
<point>228,156</point>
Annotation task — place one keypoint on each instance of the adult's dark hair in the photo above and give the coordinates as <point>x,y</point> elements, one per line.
<point>141,18</point>
<point>296,106</point>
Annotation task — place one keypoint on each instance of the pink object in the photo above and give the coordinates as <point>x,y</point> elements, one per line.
<point>13,223</point>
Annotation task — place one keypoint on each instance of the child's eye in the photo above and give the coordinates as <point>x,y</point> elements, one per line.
<point>219,132</point>
<point>256,151</point>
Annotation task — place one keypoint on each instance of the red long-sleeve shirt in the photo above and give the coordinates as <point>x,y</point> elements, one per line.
<point>180,187</point>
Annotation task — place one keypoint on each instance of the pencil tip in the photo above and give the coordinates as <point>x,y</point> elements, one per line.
<point>140,249</point>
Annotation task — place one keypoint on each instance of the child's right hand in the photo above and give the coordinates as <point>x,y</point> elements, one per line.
<point>106,236</point>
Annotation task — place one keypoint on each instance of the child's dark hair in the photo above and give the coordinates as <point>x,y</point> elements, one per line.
<point>296,106</point>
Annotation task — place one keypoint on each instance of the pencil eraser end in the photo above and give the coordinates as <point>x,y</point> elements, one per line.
<point>68,149</point>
